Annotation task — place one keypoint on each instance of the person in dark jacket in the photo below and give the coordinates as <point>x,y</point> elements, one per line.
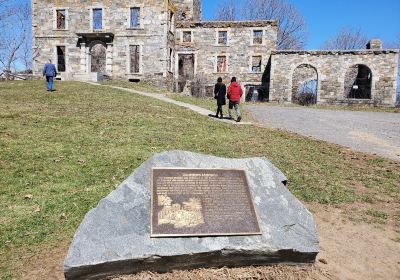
<point>49,71</point>
<point>235,92</point>
<point>219,94</point>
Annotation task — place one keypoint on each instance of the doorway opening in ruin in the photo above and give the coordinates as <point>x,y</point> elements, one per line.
<point>256,93</point>
<point>357,82</point>
<point>98,57</point>
<point>61,58</point>
<point>185,70</point>
<point>305,85</point>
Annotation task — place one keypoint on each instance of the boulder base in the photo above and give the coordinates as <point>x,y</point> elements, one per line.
<point>114,238</point>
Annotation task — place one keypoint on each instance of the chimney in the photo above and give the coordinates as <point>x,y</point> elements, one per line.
<point>374,44</point>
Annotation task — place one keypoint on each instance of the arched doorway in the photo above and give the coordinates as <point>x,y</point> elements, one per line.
<point>98,57</point>
<point>304,85</point>
<point>358,82</point>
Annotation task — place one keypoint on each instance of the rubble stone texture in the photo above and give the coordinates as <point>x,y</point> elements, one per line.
<point>114,238</point>
<point>158,41</point>
<point>333,68</point>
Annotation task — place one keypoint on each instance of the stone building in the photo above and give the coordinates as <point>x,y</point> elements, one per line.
<point>166,43</point>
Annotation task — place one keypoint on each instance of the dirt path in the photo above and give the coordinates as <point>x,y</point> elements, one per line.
<point>351,250</point>
<point>371,132</point>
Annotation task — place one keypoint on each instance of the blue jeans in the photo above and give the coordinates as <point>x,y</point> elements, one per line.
<point>49,82</point>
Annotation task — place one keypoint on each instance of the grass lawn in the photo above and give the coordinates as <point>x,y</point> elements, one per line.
<point>60,153</point>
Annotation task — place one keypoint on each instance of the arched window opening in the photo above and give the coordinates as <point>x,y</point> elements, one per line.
<point>357,82</point>
<point>304,85</point>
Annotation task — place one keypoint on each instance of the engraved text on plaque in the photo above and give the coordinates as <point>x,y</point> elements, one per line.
<point>201,202</point>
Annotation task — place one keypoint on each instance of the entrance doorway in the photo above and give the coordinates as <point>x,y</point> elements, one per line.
<point>185,70</point>
<point>98,57</point>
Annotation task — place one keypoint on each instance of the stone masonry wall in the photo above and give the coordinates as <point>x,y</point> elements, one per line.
<point>152,36</point>
<point>239,49</point>
<point>332,67</point>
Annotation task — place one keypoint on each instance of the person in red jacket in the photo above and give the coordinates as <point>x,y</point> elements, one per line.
<point>234,94</point>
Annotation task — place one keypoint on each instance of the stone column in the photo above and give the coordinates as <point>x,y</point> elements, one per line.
<point>109,59</point>
<point>83,58</point>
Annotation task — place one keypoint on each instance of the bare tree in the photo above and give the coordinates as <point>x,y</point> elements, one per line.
<point>292,29</point>
<point>347,38</point>
<point>14,35</point>
<point>226,11</point>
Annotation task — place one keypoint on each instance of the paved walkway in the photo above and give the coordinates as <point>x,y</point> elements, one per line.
<point>164,98</point>
<point>371,132</point>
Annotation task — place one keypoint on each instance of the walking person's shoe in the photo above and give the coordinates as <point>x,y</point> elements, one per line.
<point>221,117</point>
<point>239,119</point>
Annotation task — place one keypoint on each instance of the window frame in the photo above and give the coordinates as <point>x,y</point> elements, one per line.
<point>140,25</point>
<point>140,59</point>
<point>55,9</point>
<point>56,58</point>
<point>102,18</point>
<point>251,63</point>
<point>226,62</point>
<point>217,31</point>
<point>191,35</point>
<point>253,37</point>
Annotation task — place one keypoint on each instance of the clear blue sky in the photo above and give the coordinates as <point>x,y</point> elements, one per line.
<point>324,18</point>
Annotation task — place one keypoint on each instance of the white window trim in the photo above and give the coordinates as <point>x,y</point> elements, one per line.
<point>171,24</point>
<point>171,56</point>
<point>103,16</point>
<point>55,18</point>
<point>228,35</point>
<point>128,69</point>
<point>186,30</point>
<point>262,37</point>
<point>216,64</point>
<point>141,17</point>
<point>251,63</point>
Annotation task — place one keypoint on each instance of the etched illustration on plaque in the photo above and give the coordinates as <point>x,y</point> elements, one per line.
<point>187,214</point>
<point>201,202</point>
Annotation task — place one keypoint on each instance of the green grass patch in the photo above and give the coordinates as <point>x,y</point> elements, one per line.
<point>142,86</point>
<point>377,214</point>
<point>61,152</point>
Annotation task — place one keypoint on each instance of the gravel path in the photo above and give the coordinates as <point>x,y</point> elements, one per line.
<point>371,132</point>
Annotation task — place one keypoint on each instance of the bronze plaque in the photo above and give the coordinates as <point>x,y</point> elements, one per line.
<point>201,202</point>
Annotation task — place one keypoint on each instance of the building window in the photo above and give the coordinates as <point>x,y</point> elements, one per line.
<point>135,18</point>
<point>256,64</point>
<point>222,37</point>
<point>170,59</point>
<point>97,18</point>
<point>61,58</point>
<point>171,21</point>
<point>257,37</point>
<point>221,64</point>
<point>187,36</point>
<point>134,52</point>
<point>61,19</point>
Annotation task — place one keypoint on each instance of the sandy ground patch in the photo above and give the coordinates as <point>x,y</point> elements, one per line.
<point>349,250</point>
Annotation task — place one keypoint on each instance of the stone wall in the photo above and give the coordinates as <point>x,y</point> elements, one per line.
<point>332,67</point>
<point>188,10</point>
<point>153,35</point>
<point>239,49</point>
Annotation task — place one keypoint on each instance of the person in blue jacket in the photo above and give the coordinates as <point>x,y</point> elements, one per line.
<point>49,71</point>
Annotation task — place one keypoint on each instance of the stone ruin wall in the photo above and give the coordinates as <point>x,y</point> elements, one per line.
<point>332,67</point>
<point>238,51</point>
<point>154,41</point>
